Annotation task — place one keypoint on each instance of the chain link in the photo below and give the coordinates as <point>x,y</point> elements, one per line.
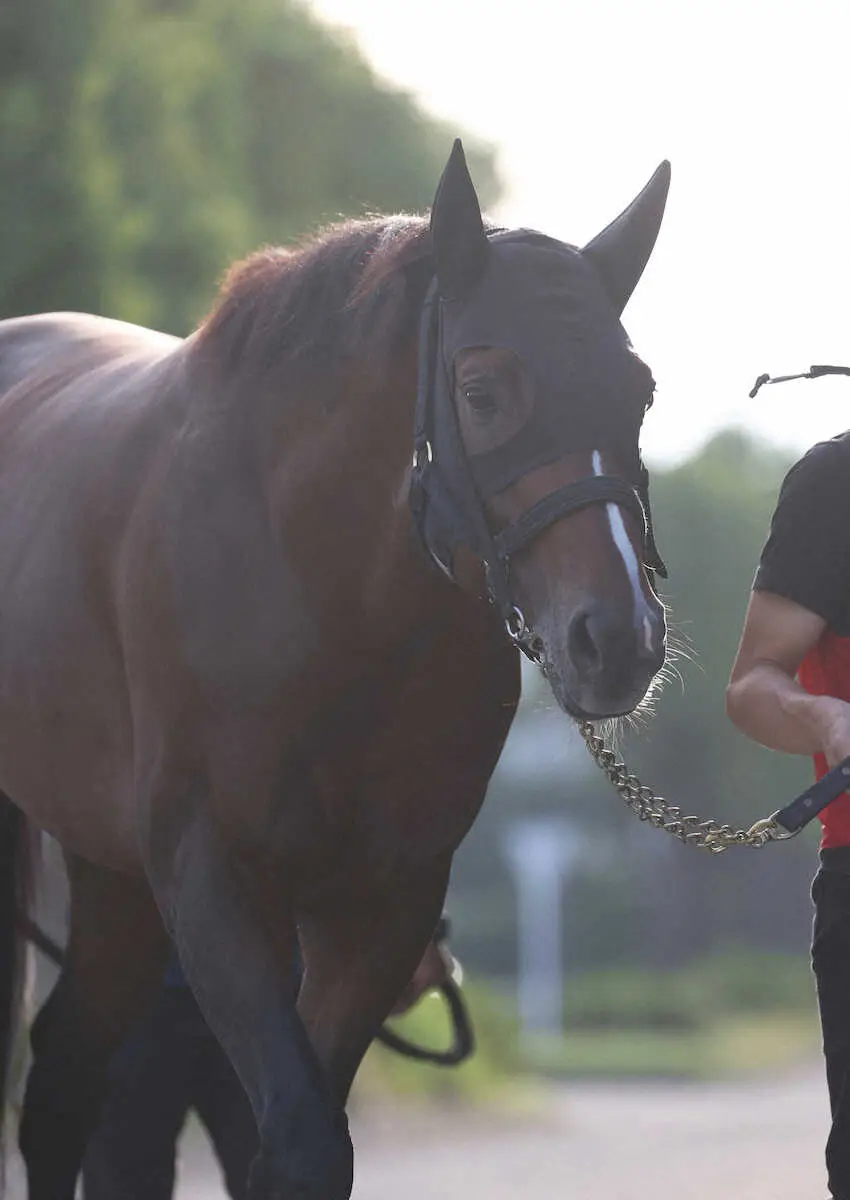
<point>647,806</point>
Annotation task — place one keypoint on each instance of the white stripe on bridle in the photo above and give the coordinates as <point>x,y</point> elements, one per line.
<point>643,624</point>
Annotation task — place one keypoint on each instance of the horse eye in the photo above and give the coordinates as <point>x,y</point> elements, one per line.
<point>480,401</point>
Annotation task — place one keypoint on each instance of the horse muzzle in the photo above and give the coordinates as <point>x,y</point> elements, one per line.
<point>599,665</point>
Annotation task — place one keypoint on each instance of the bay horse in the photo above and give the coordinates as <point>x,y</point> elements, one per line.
<point>233,685</point>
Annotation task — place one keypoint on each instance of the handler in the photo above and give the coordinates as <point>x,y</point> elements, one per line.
<point>172,1064</point>
<point>790,690</point>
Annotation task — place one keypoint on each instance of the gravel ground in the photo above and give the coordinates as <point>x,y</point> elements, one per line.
<point>751,1141</point>
<point>745,1141</point>
<point>735,1141</point>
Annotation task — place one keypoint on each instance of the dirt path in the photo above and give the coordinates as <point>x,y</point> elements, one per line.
<point>742,1141</point>
<point>624,1142</point>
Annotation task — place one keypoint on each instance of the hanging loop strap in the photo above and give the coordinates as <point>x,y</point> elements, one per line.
<point>464,1038</point>
<point>814,372</point>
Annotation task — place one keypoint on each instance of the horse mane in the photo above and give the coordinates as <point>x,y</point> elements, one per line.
<point>344,293</point>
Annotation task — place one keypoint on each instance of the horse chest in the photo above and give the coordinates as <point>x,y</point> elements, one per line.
<point>376,800</point>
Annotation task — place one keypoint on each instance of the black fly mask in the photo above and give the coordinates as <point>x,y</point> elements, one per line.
<point>555,309</point>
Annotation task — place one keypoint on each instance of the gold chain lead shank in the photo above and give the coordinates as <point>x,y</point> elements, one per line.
<point>647,806</point>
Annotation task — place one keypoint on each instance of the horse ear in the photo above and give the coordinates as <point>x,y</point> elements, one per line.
<point>621,251</point>
<point>457,232</point>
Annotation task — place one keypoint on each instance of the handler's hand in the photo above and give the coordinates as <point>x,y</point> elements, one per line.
<point>834,726</point>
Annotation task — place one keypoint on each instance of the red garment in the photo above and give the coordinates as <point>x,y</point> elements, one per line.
<point>825,671</point>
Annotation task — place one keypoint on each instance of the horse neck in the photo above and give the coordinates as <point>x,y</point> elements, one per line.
<point>337,476</point>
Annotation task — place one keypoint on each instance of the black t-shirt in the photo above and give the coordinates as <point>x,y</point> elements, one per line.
<point>807,556</point>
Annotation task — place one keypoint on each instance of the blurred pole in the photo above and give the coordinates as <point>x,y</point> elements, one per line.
<point>540,851</point>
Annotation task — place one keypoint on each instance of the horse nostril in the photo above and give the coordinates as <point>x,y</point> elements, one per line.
<point>581,644</point>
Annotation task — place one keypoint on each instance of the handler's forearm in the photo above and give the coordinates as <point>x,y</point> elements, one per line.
<point>770,707</point>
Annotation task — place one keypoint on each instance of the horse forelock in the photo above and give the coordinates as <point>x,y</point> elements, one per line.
<point>342,296</point>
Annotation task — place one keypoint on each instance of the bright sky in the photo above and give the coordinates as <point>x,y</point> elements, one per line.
<point>749,99</point>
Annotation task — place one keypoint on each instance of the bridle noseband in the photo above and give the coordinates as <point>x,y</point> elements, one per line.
<point>447,507</point>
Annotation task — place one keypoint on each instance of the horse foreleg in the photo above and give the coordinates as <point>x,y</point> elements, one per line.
<point>233,929</point>
<point>116,954</point>
<point>357,964</point>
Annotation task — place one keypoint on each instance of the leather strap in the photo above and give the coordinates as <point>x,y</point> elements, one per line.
<point>595,489</point>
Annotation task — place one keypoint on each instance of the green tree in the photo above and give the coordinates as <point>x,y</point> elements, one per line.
<point>49,242</point>
<point>145,144</point>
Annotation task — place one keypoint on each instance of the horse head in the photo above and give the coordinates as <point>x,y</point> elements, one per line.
<point>530,406</point>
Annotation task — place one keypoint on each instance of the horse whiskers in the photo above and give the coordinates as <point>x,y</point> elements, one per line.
<point>615,728</point>
<point>679,643</point>
<point>612,729</point>
<point>668,674</point>
<point>681,649</point>
<point>679,646</point>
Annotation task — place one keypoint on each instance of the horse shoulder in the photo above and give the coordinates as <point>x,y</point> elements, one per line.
<point>427,766</point>
<point>242,624</point>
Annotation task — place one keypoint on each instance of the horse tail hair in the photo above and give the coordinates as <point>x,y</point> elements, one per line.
<point>17,867</point>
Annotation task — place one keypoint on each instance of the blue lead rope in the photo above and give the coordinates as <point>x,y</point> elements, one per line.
<point>796,815</point>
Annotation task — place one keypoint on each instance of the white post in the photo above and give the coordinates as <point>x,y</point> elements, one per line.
<point>539,852</point>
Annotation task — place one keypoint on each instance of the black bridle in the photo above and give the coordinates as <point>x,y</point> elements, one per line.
<point>447,507</point>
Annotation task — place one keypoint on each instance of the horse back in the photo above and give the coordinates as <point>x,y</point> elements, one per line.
<point>33,347</point>
<point>83,414</point>
<point>86,404</point>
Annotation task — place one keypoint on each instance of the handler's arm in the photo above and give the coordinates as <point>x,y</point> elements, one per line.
<point>764,699</point>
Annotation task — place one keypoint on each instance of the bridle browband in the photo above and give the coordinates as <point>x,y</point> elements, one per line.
<point>447,507</point>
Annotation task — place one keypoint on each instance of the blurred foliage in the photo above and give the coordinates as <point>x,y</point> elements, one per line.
<point>488,1077</point>
<point>146,144</point>
<point>688,997</point>
<point>730,1014</point>
<point>735,1046</point>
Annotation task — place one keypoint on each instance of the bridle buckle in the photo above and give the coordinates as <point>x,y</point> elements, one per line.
<point>523,636</point>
